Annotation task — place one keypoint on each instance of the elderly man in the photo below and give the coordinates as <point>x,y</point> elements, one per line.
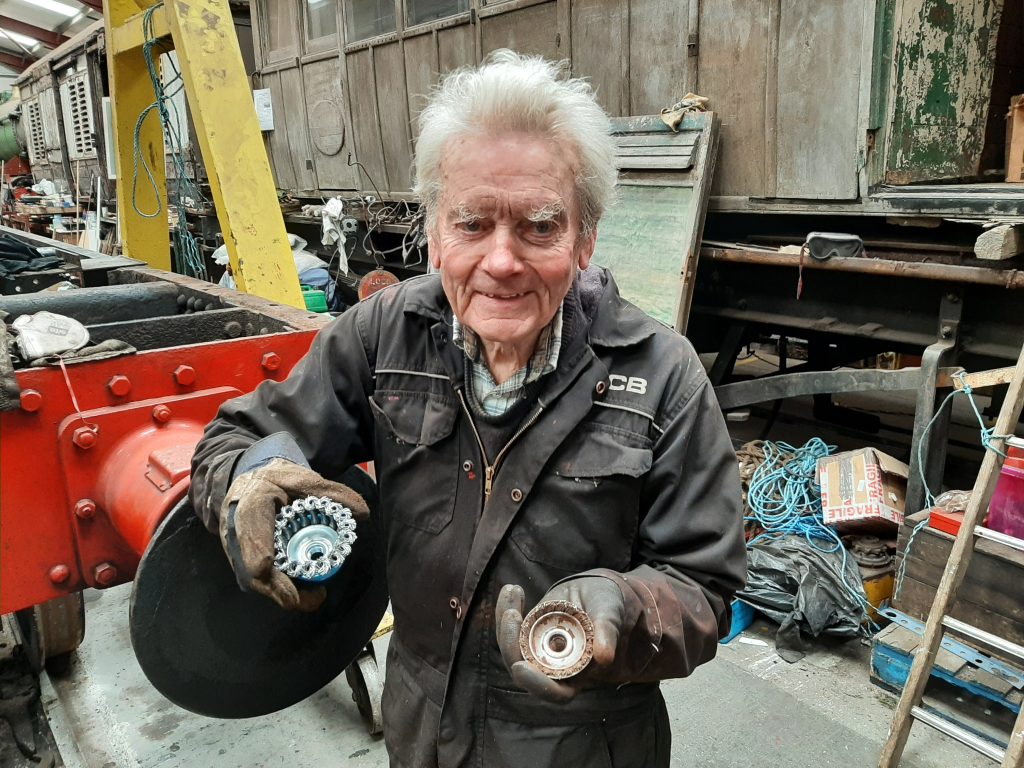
<point>534,435</point>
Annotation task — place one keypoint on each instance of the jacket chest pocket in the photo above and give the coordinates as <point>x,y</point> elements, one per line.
<point>415,458</point>
<point>585,512</point>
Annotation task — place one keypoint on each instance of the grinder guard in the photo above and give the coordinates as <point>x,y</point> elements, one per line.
<point>220,652</point>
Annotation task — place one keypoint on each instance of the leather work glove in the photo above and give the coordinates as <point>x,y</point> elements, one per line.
<point>247,527</point>
<point>602,600</point>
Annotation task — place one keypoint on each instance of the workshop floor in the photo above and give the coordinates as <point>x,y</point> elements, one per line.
<point>746,708</point>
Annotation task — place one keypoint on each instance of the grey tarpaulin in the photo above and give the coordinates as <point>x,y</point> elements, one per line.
<point>804,590</point>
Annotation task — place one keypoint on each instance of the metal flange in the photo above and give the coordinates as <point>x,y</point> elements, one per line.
<point>557,636</point>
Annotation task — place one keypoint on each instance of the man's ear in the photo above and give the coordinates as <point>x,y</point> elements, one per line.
<point>586,249</point>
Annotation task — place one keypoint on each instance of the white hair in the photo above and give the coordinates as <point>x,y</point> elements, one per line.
<point>511,92</point>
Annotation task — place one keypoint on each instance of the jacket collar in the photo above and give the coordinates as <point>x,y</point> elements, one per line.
<point>614,322</point>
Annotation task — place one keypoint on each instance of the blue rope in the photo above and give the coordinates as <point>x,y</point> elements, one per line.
<point>187,256</point>
<point>785,500</point>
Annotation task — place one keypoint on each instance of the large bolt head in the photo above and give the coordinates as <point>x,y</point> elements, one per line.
<point>119,385</point>
<point>85,508</point>
<point>161,414</point>
<point>185,375</point>
<point>59,573</point>
<point>84,437</point>
<point>104,574</point>
<point>271,361</point>
<point>31,400</point>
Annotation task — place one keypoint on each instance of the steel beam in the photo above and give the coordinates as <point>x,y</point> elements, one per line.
<point>143,203</point>
<point>13,61</point>
<point>220,101</point>
<point>45,36</point>
<point>129,36</point>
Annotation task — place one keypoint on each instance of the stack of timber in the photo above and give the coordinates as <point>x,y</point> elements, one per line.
<point>990,596</point>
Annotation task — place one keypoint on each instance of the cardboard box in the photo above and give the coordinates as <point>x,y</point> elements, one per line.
<point>1015,139</point>
<point>863,490</point>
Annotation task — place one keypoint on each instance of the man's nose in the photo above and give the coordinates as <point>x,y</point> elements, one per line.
<point>503,256</point>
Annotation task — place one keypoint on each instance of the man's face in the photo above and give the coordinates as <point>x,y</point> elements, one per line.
<point>507,237</point>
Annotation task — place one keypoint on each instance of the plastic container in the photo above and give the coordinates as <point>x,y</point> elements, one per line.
<point>316,300</point>
<point>1006,512</point>
<point>742,617</point>
<point>1015,452</point>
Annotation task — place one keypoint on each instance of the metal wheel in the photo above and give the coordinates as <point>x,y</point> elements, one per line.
<point>367,688</point>
<point>50,631</point>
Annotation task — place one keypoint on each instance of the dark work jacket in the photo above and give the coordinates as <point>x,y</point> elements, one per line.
<point>622,467</point>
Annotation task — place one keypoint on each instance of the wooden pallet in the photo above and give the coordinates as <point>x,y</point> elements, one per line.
<point>892,653</point>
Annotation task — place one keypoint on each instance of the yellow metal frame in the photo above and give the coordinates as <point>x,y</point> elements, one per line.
<point>220,101</point>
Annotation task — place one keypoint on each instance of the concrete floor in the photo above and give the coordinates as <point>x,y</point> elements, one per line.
<point>746,708</point>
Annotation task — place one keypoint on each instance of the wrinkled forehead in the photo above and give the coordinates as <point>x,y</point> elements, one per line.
<point>479,172</point>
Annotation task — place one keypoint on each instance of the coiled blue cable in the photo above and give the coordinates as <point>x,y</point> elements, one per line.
<point>784,498</point>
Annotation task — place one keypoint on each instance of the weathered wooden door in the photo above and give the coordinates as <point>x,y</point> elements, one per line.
<point>941,87</point>
<point>785,78</point>
<point>299,62</point>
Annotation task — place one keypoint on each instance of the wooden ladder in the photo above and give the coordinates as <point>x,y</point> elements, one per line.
<point>939,621</point>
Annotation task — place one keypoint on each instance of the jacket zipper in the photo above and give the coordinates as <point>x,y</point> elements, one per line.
<point>491,469</point>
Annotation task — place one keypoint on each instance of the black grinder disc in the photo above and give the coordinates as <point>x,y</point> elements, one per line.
<point>220,652</point>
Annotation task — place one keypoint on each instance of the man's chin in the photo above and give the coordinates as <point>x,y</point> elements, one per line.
<point>513,332</point>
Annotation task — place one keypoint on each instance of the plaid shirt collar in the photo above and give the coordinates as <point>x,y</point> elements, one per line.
<point>496,399</point>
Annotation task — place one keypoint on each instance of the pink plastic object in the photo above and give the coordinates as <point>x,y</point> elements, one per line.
<point>1006,512</point>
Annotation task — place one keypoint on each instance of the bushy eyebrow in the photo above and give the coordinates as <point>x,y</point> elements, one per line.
<point>550,212</point>
<point>465,215</point>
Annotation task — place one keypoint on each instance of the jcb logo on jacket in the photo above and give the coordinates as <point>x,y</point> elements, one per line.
<point>620,383</point>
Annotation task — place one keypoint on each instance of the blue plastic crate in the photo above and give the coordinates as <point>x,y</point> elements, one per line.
<point>742,617</point>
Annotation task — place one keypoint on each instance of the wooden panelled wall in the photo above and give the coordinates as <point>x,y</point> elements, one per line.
<point>787,78</point>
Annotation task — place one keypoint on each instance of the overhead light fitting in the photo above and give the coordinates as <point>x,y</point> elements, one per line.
<point>53,5</point>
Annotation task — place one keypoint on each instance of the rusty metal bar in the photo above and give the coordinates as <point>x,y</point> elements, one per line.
<point>1012,279</point>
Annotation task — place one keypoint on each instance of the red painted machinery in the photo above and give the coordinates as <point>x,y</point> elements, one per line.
<point>99,451</point>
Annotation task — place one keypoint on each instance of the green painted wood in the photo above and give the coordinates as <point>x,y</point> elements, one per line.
<point>942,76</point>
<point>881,62</point>
<point>641,240</point>
<point>650,238</point>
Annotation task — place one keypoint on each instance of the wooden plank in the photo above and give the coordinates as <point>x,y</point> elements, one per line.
<point>657,151</point>
<point>600,50</point>
<point>658,32</point>
<point>916,599</point>
<point>421,68</point>
<point>527,30</point>
<point>293,117</point>
<point>277,139</point>
<point>681,139</point>
<point>818,98</point>
<point>280,27</point>
<point>771,101</point>
<point>733,67</point>
<point>656,162</point>
<point>943,68</point>
<point>455,48</point>
<point>890,666</point>
<point>989,582</point>
<point>1001,242</point>
<point>393,106</point>
<point>981,379</point>
<point>365,125</point>
<point>330,133</point>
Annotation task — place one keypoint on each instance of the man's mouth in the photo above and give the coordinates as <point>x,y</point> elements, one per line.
<point>504,295</point>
